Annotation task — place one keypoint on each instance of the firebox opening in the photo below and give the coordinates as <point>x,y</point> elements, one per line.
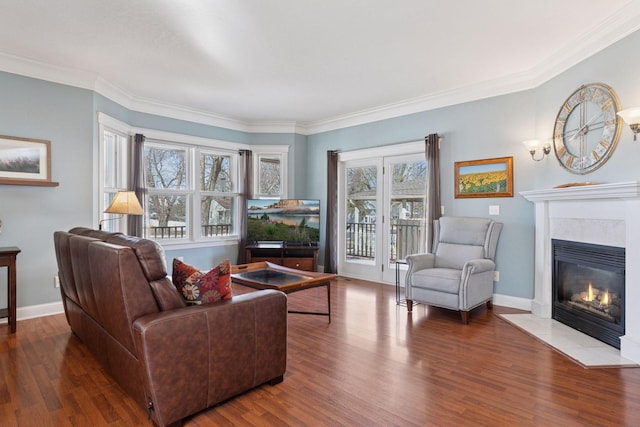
<point>588,289</point>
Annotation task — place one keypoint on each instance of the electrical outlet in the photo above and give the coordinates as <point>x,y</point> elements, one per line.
<point>496,276</point>
<point>494,209</point>
<point>56,282</point>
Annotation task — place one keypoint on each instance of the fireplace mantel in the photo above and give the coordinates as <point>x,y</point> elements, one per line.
<point>604,214</point>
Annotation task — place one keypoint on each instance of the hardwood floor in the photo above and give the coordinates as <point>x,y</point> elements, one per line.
<point>373,365</point>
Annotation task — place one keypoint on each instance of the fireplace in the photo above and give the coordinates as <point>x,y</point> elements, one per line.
<point>588,287</point>
<point>601,214</point>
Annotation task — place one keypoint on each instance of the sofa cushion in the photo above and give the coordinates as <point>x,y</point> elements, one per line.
<point>166,295</point>
<point>199,287</point>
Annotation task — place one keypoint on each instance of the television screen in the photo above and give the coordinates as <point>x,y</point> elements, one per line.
<point>290,221</point>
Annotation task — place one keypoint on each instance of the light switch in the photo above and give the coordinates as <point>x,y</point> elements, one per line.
<point>494,209</point>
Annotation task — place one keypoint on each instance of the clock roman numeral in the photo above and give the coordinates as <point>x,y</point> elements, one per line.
<point>607,104</point>
<point>562,151</point>
<point>569,161</point>
<point>595,155</point>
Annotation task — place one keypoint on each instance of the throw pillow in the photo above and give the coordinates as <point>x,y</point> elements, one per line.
<point>198,287</point>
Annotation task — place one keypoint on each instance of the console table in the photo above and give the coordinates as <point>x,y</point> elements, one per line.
<point>299,257</point>
<point>8,259</point>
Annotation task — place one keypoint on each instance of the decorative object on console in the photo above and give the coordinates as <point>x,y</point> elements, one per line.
<point>25,161</point>
<point>199,287</point>
<point>124,203</point>
<point>587,128</point>
<point>533,145</point>
<point>631,116</point>
<point>484,178</point>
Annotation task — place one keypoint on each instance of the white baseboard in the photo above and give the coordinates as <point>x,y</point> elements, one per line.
<point>512,302</point>
<point>40,310</point>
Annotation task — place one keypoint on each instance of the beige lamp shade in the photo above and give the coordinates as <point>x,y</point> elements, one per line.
<point>125,202</point>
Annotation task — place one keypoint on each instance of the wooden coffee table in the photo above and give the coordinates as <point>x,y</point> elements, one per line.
<point>266,275</point>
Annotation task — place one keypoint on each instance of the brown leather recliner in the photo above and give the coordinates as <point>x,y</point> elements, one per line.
<point>175,360</point>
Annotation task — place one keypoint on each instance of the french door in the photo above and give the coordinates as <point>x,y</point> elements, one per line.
<point>382,207</point>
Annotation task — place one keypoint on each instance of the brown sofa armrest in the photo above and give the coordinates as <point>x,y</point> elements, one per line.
<point>197,356</point>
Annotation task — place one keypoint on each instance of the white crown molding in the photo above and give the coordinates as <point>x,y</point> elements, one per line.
<point>614,29</point>
<point>277,127</point>
<point>39,70</point>
<point>625,22</point>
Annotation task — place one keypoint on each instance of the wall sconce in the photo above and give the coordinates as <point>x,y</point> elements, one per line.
<point>124,203</point>
<point>533,145</point>
<point>631,116</point>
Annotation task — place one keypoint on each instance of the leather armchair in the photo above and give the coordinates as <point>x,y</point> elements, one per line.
<point>458,274</point>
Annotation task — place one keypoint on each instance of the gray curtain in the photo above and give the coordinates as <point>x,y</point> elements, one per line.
<point>432,154</point>
<point>331,237</point>
<point>246,172</point>
<point>135,223</point>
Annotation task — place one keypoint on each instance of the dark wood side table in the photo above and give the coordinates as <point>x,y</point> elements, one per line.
<point>8,259</point>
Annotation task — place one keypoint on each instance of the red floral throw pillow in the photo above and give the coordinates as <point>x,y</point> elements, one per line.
<point>198,287</point>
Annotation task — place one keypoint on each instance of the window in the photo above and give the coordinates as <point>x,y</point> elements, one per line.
<point>113,150</point>
<point>216,197</point>
<point>270,178</point>
<point>168,191</point>
<point>192,183</point>
<point>176,201</point>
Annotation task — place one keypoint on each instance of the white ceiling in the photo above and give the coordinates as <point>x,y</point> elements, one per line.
<point>314,64</point>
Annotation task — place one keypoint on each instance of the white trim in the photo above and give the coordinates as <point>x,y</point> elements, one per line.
<point>512,302</point>
<point>172,138</point>
<point>39,310</point>
<point>384,151</point>
<point>281,152</point>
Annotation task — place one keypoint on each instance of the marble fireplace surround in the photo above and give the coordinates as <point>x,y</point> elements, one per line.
<point>605,214</point>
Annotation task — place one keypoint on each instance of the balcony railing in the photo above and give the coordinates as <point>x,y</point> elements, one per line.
<point>407,237</point>
<point>179,231</point>
<point>361,240</point>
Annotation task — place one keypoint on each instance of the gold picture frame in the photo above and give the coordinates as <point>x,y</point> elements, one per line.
<point>484,178</point>
<point>25,161</point>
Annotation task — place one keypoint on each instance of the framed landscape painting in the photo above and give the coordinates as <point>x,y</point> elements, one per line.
<point>484,178</point>
<point>24,161</point>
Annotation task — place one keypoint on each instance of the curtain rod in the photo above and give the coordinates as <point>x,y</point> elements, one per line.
<point>386,145</point>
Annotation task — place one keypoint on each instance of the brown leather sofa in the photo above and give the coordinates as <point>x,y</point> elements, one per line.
<point>175,360</point>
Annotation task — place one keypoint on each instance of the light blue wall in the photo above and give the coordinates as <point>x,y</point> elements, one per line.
<point>32,108</point>
<point>476,130</point>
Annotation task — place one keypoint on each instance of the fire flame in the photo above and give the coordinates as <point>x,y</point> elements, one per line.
<point>605,298</point>
<point>590,293</point>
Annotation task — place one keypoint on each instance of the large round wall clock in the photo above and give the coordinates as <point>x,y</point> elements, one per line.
<point>587,129</point>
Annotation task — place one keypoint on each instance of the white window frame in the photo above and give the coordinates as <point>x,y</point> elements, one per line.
<point>276,152</point>
<point>105,122</point>
<point>120,130</point>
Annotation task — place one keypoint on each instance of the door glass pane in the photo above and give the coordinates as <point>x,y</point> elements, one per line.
<point>407,204</point>
<point>361,213</point>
